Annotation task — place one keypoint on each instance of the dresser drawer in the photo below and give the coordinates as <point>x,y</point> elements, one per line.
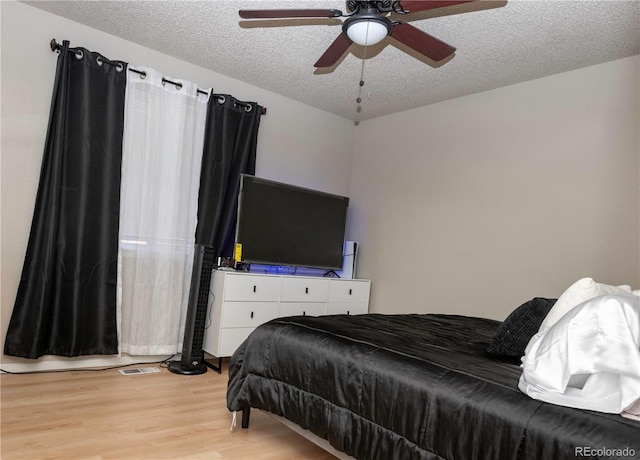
<point>349,291</point>
<point>248,314</point>
<point>240,288</point>
<point>303,308</point>
<point>347,308</point>
<point>305,289</point>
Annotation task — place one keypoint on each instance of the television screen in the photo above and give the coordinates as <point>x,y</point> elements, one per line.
<point>281,224</point>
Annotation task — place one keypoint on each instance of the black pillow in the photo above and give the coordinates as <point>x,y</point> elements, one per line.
<point>513,335</point>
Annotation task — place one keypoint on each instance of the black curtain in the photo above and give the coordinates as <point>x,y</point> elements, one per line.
<point>66,301</point>
<point>229,150</point>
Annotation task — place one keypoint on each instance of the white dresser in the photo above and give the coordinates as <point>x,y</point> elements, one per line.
<point>243,301</point>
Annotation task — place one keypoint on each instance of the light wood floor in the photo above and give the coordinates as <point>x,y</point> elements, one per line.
<point>106,415</point>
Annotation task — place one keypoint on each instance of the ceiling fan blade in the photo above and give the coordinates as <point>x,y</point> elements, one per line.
<point>335,51</point>
<point>421,42</point>
<point>276,14</point>
<point>414,6</point>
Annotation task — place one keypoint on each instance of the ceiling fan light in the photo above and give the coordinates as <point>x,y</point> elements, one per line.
<point>368,32</point>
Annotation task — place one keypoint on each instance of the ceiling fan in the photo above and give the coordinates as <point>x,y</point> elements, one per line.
<point>368,23</point>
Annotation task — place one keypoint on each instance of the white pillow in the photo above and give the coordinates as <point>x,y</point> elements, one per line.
<point>582,290</point>
<point>590,358</point>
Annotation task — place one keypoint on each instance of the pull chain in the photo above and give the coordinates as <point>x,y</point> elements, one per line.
<point>356,122</point>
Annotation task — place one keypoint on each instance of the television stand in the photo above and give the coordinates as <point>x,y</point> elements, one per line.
<point>242,301</point>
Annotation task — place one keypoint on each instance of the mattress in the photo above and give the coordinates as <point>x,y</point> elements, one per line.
<point>411,387</point>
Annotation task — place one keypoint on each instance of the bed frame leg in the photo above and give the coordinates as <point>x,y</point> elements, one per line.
<point>246,412</point>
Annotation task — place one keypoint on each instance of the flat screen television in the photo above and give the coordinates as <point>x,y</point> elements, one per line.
<point>286,225</point>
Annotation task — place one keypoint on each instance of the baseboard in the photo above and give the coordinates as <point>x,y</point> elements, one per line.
<point>59,363</point>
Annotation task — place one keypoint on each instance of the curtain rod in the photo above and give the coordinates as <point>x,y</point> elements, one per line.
<point>56,46</point>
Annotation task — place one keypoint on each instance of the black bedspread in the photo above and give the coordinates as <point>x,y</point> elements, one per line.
<point>411,387</point>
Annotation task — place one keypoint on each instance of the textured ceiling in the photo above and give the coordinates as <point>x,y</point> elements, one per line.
<point>498,44</point>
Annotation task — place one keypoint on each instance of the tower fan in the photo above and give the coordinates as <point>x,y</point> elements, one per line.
<point>192,362</point>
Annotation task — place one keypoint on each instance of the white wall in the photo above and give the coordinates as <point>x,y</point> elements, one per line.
<point>297,143</point>
<point>475,205</point>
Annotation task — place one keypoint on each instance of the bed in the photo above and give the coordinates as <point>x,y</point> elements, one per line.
<point>411,387</point>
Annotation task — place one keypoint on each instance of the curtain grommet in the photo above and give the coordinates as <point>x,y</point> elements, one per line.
<point>221,99</point>
<point>143,75</point>
<point>79,54</point>
<point>119,67</point>
<point>176,84</point>
<point>248,108</point>
<point>99,60</point>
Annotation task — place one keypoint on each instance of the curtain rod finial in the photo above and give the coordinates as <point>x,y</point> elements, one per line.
<point>54,44</point>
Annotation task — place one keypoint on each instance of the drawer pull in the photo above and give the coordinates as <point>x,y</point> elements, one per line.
<point>306,290</point>
<point>254,288</point>
<point>350,291</point>
<point>252,315</point>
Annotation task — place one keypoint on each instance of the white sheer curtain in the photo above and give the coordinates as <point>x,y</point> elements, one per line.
<point>162,153</point>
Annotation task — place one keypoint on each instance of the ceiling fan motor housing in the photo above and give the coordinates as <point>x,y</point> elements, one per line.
<point>354,5</point>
